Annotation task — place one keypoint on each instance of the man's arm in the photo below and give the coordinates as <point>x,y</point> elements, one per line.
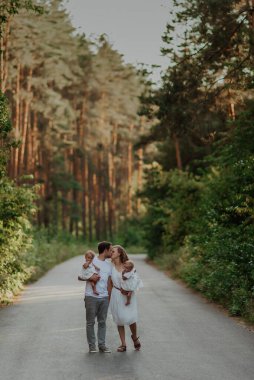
<point>97,268</point>
<point>82,279</point>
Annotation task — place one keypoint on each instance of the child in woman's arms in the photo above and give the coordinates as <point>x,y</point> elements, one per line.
<point>130,280</point>
<point>90,271</point>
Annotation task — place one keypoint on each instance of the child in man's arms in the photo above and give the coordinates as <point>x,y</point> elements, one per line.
<point>90,271</point>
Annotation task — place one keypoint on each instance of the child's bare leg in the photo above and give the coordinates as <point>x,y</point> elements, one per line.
<point>128,298</point>
<point>93,280</point>
<point>94,288</point>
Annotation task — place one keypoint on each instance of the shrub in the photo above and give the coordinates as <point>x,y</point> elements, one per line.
<point>204,226</point>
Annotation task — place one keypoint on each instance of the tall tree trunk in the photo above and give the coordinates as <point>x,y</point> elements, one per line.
<point>21,118</point>
<point>250,6</point>
<point>84,192</point>
<point>26,115</point>
<point>2,63</point>
<point>83,165</point>
<point>104,208</point>
<point>17,120</point>
<point>47,192</point>
<point>114,179</point>
<point>64,211</point>
<point>129,202</point>
<point>96,206</point>
<point>34,146</point>
<point>75,196</point>
<point>4,54</point>
<point>27,154</point>
<point>178,152</point>
<point>232,111</point>
<point>55,211</point>
<point>110,193</point>
<point>90,204</point>
<point>140,176</point>
<point>99,192</point>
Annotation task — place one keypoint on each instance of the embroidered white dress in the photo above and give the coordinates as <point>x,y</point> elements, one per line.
<point>132,281</point>
<point>88,272</point>
<point>122,314</point>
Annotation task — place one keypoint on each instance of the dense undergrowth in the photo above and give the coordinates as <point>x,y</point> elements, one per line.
<point>33,254</point>
<point>201,227</point>
<point>24,254</point>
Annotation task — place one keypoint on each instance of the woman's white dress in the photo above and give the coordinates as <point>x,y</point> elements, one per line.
<point>122,314</point>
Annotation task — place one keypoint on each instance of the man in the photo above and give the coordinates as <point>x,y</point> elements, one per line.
<point>97,305</point>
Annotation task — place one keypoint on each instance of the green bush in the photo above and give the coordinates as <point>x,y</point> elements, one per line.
<point>202,228</point>
<point>45,253</point>
<point>171,200</point>
<point>24,254</point>
<point>131,235</point>
<point>224,267</point>
<point>16,207</point>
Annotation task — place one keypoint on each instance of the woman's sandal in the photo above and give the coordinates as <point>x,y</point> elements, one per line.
<point>137,344</point>
<point>121,349</point>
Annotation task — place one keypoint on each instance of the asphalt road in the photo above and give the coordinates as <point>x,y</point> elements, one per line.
<point>42,336</point>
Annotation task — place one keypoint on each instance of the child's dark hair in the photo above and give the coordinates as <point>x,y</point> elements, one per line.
<point>103,246</point>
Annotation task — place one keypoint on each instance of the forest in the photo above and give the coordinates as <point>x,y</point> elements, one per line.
<point>91,149</point>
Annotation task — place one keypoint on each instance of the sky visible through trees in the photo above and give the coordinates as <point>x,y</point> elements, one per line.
<point>134,27</point>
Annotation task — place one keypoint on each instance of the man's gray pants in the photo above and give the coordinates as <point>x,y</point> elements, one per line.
<point>96,307</point>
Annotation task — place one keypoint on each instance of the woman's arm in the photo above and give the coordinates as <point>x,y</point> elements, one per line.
<point>110,287</point>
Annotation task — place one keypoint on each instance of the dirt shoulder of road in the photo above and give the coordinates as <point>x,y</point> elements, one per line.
<point>239,320</point>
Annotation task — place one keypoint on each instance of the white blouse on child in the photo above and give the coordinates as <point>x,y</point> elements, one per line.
<point>132,282</point>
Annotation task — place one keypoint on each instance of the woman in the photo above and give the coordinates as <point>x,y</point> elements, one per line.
<point>122,314</point>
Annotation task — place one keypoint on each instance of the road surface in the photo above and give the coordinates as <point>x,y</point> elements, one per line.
<point>42,336</point>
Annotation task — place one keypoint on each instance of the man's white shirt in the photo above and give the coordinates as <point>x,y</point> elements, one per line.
<point>102,284</point>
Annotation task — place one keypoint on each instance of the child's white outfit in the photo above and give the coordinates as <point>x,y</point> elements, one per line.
<point>132,282</point>
<point>88,272</point>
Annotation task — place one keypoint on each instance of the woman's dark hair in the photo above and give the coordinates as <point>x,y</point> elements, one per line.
<point>123,255</point>
<point>104,245</point>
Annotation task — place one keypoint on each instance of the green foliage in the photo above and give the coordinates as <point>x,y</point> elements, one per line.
<point>156,217</point>
<point>15,236</point>
<point>16,206</point>
<point>131,235</point>
<point>206,233</point>
<point>12,7</point>
<point>199,222</point>
<point>30,254</point>
<point>79,95</point>
<point>221,260</point>
<point>68,101</point>
<point>47,252</point>
<point>220,264</point>
<point>5,128</point>
<point>171,206</point>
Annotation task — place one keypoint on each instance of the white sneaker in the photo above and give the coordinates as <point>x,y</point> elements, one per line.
<point>104,350</point>
<point>93,350</point>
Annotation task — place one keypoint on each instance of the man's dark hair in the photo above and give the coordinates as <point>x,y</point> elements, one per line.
<point>103,245</point>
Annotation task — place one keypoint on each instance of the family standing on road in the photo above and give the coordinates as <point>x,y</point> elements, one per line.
<point>110,285</point>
